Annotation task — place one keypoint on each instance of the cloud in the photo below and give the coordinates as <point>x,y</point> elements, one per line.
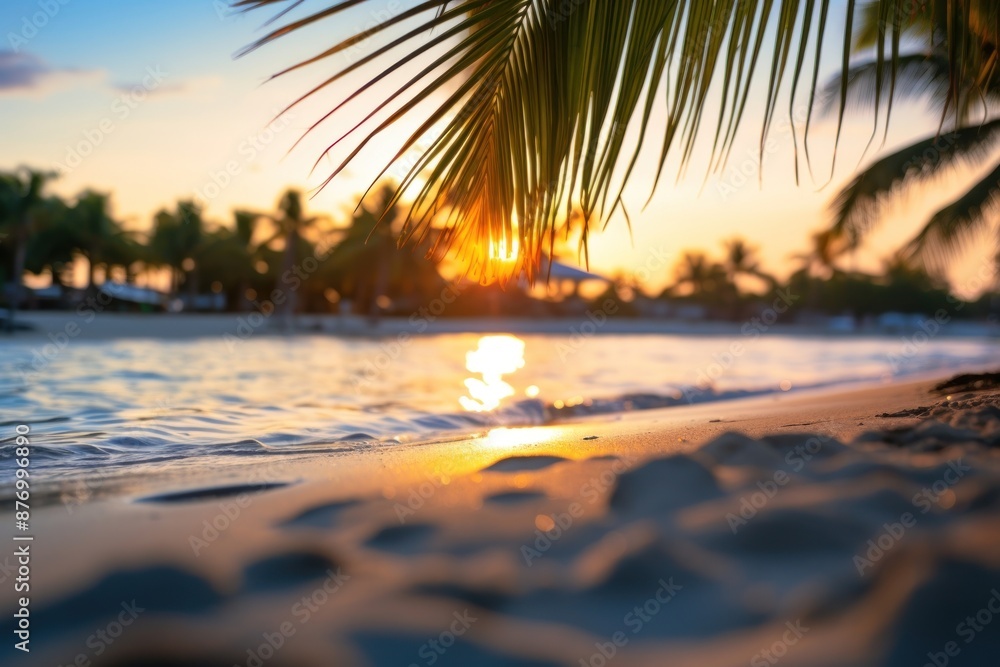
<point>27,74</point>
<point>192,85</point>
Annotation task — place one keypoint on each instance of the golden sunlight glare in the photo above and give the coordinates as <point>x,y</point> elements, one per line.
<point>494,357</point>
<point>505,250</point>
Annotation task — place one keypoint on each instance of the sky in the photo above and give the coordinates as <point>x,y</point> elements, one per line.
<point>144,99</point>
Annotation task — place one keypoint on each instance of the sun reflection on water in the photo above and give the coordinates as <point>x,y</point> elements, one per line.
<point>494,357</point>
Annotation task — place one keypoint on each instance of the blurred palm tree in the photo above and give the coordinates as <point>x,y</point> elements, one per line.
<point>703,276</point>
<point>290,224</point>
<point>99,238</point>
<point>226,263</point>
<point>361,261</point>
<point>21,196</point>
<point>821,259</point>
<point>536,95</point>
<point>52,246</point>
<point>175,241</point>
<point>741,260</point>
<point>245,251</point>
<point>367,266</point>
<point>124,250</point>
<point>967,102</point>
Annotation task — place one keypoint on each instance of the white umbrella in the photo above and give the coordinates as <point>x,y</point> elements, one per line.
<point>558,271</point>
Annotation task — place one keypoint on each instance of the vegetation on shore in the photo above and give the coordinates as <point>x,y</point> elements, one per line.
<point>325,265</point>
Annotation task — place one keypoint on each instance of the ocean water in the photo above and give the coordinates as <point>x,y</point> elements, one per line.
<point>126,405</point>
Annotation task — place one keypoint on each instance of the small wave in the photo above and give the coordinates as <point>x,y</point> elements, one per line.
<point>281,401</point>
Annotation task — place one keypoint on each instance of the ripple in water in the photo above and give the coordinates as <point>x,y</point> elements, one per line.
<point>119,404</point>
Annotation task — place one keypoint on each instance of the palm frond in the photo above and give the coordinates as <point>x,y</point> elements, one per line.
<point>857,207</point>
<point>954,227</point>
<point>914,19</point>
<point>917,76</point>
<point>538,96</point>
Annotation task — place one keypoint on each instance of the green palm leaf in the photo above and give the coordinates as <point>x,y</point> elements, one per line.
<point>857,207</point>
<point>951,229</point>
<point>547,103</point>
<point>917,75</point>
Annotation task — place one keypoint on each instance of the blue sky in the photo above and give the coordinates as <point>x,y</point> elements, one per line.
<point>81,77</point>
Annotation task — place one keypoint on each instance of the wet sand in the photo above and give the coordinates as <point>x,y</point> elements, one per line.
<point>855,528</point>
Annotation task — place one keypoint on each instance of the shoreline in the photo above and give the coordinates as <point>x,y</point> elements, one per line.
<point>753,512</point>
<point>162,326</point>
<point>639,432</point>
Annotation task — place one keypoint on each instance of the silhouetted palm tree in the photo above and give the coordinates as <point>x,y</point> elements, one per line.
<point>245,252</point>
<point>741,260</point>
<point>967,102</point>
<point>98,237</point>
<point>290,224</point>
<point>124,250</point>
<point>703,276</point>
<point>368,267</point>
<point>175,241</point>
<point>51,245</point>
<point>821,258</point>
<point>21,195</point>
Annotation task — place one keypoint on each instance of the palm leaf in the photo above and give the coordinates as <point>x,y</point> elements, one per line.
<point>951,229</point>
<point>916,76</point>
<point>538,96</point>
<point>915,19</point>
<point>857,207</point>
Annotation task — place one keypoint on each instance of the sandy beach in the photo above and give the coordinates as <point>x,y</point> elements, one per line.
<point>853,528</point>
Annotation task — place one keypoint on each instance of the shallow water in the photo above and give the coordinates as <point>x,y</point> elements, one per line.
<point>125,403</point>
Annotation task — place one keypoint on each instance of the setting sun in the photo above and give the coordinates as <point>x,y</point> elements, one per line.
<point>505,250</point>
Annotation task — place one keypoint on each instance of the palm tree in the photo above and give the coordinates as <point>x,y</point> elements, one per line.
<point>290,224</point>
<point>741,260</point>
<point>360,263</point>
<point>20,198</point>
<point>969,136</point>
<point>226,262</point>
<point>703,276</point>
<point>124,250</point>
<point>537,94</point>
<point>367,266</point>
<point>821,259</point>
<point>245,225</point>
<point>175,242</point>
<point>52,244</point>
<point>98,237</point>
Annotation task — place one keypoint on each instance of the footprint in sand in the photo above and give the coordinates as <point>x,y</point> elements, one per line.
<point>321,516</point>
<point>211,493</point>
<point>161,589</point>
<point>383,648</point>
<point>515,497</point>
<point>286,570</point>
<point>524,463</point>
<point>402,539</point>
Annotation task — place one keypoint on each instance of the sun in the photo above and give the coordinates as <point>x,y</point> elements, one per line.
<point>504,250</point>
